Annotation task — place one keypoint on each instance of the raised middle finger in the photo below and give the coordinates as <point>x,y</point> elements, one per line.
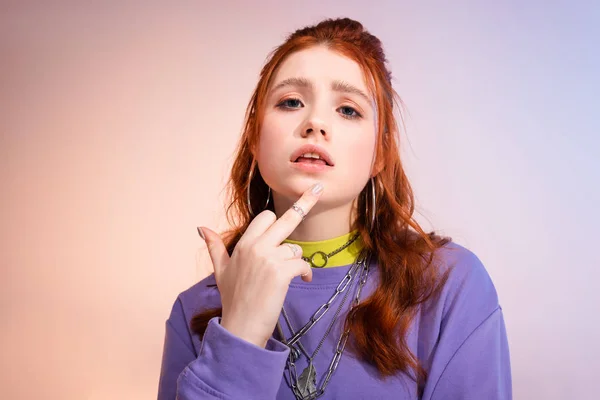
<point>286,224</point>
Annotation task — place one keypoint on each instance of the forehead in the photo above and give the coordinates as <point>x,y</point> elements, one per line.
<point>320,64</point>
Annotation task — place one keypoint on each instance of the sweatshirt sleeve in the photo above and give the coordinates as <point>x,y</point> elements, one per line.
<point>226,367</point>
<point>178,352</point>
<point>480,367</point>
<point>231,368</point>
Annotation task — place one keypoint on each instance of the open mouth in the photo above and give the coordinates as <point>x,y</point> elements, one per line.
<point>311,158</point>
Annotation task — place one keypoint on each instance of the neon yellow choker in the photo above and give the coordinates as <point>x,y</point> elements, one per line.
<point>344,257</point>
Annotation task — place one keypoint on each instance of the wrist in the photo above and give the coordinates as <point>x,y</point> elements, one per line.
<point>243,333</point>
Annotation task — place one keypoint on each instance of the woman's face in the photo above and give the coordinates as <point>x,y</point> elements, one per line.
<point>318,97</point>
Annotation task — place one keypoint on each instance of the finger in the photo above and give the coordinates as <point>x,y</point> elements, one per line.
<point>259,225</point>
<point>216,248</point>
<point>308,275</point>
<point>289,251</point>
<point>300,268</point>
<point>286,224</point>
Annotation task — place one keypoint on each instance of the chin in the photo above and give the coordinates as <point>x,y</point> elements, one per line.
<point>293,188</point>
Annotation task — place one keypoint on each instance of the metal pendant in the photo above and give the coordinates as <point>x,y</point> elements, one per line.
<point>307,382</point>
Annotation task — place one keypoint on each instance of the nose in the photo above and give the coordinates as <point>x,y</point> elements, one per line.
<point>316,125</point>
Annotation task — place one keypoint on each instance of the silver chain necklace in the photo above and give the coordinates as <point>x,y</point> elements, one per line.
<point>304,386</point>
<point>292,330</point>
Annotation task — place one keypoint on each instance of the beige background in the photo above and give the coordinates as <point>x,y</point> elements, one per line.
<point>117,125</point>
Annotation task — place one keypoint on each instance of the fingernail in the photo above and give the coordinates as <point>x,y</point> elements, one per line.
<point>201,233</point>
<point>309,266</point>
<point>317,188</point>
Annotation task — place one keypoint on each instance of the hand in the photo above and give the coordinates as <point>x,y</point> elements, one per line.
<point>254,281</point>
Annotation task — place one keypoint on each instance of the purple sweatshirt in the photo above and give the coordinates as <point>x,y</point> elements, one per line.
<point>459,337</point>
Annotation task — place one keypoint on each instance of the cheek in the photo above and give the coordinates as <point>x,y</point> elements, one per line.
<point>359,153</point>
<point>271,148</point>
<point>267,138</point>
<point>276,132</point>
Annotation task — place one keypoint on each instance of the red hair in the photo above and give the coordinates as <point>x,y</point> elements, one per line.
<point>408,277</point>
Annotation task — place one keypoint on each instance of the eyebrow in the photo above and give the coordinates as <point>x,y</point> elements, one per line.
<point>337,86</point>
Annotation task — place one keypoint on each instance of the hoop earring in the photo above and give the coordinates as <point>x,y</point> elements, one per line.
<point>248,193</point>
<point>373,206</point>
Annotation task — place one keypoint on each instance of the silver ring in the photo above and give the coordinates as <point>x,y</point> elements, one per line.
<point>294,248</point>
<point>299,210</point>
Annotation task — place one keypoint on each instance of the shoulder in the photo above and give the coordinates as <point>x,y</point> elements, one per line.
<point>461,333</point>
<point>466,272</point>
<point>199,297</point>
<point>468,294</point>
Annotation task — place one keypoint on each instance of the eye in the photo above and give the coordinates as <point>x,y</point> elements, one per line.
<point>349,112</point>
<point>290,104</point>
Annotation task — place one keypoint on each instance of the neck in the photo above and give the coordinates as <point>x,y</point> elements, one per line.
<point>322,222</point>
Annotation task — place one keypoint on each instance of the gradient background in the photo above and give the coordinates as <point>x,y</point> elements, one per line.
<point>117,127</point>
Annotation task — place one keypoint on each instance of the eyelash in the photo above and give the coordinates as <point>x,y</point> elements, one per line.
<point>282,105</point>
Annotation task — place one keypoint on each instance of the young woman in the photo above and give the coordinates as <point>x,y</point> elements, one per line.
<point>326,287</point>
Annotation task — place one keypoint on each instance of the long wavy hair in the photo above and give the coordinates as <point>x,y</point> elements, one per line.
<point>404,252</point>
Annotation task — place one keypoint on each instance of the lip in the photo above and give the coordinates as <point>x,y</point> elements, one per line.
<point>305,167</point>
<point>312,148</point>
